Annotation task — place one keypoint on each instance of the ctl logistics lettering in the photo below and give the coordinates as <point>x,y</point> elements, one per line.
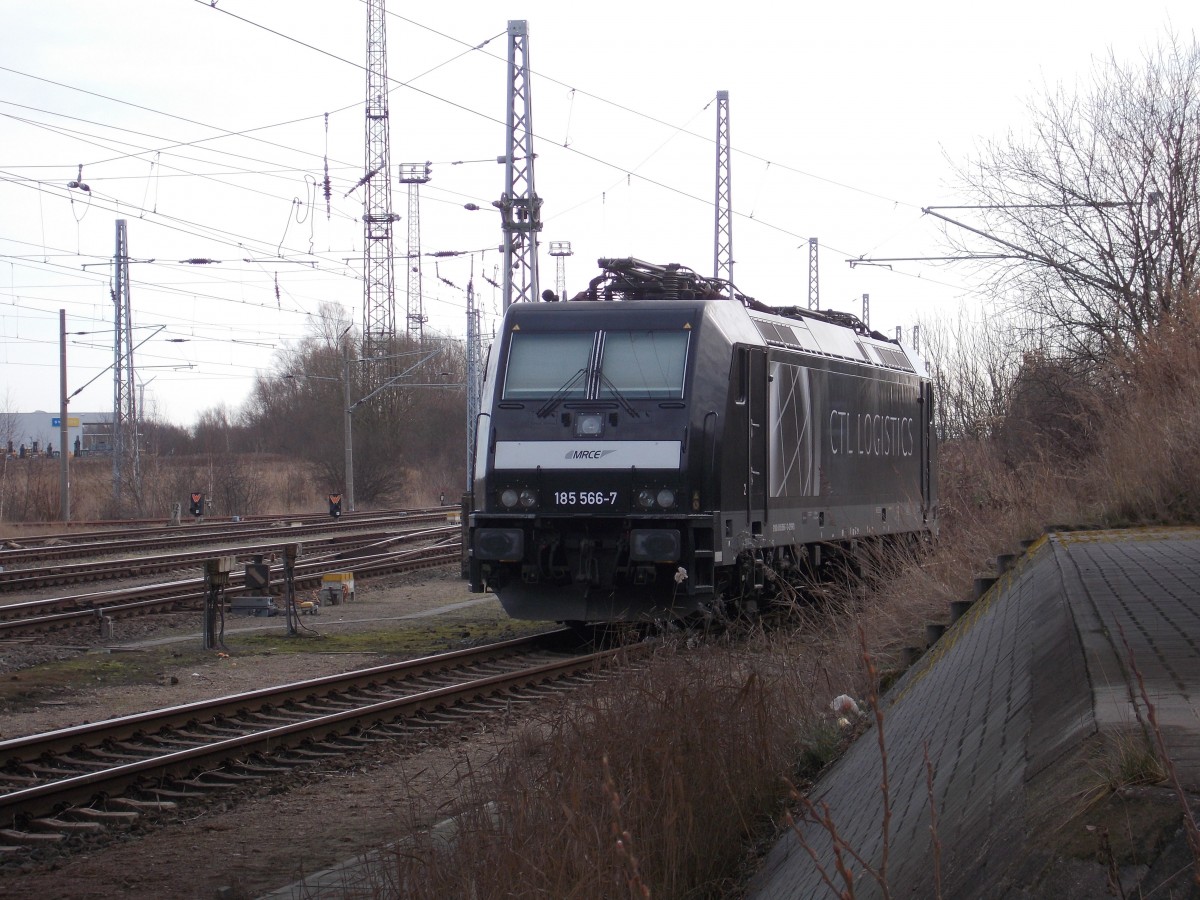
<point>864,434</point>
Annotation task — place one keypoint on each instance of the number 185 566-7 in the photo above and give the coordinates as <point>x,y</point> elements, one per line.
<point>585,498</point>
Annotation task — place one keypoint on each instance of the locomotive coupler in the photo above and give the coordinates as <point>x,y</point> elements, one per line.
<point>589,569</point>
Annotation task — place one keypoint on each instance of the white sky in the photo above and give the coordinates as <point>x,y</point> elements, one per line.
<point>845,120</point>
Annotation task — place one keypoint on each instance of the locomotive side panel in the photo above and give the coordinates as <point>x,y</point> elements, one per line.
<point>846,455</point>
<point>818,450</point>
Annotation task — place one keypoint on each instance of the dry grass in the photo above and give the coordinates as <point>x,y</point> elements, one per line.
<point>1146,469</point>
<point>247,484</point>
<point>1127,759</point>
<point>656,781</point>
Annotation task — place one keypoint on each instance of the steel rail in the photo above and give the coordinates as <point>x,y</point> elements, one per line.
<point>121,727</point>
<point>22,803</point>
<point>102,545</point>
<point>43,615</point>
<point>93,599</point>
<point>65,573</point>
<point>142,526</point>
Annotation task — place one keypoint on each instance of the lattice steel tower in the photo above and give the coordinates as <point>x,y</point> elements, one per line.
<point>519,205</point>
<point>474,374</point>
<point>723,243</point>
<point>814,286</point>
<point>415,175</point>
<point>124,425</point>
<point>560,250</point>
<point>379,300</point>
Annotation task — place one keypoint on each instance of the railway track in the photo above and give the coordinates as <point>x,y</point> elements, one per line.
<point>34,577</point>
<point>30,551</point>
<point>81,782</point>
<point>378,556</point>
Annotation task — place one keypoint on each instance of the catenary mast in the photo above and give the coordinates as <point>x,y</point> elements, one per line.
<point>560,250</point>
<point>474,372</point>
<point>414,175</point>
<point>519,205</point>
<point>814,286</point>
<point>723,242</point>
<point>379,300</point>
<point>124,425</point>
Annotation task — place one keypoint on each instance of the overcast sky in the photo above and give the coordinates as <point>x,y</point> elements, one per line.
<point>207,126</point>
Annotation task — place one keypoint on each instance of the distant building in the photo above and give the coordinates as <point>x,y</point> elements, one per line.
<point>39,433</point>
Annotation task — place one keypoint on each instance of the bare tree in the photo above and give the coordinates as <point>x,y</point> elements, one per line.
<point>974,363</point>
<point>1097,210</point>
<point>213,431</point>
<point>409,419</point>
<point>332,323</point>
<point>236,489</point>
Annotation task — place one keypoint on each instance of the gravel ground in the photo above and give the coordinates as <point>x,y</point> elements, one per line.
<point>244,846</point>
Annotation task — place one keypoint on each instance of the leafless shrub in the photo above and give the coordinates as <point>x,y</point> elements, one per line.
<point>1145,471</point>
<point>1055,409</point>
<point>35,495</point>
<point>237,489</point>
<point>973,362</point>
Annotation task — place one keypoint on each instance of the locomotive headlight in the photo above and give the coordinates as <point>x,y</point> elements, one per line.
<point>645,498</point>
<point>509,497</point>
<point>528,498</point>
<point>666,498</point>
<point>589,425</point>
<point>504,544</point>
<point>654,545</point>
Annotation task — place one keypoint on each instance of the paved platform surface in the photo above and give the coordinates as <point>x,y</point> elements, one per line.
<point>1020,709</point>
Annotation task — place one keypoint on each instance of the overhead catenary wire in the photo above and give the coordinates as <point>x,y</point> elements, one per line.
<point>539,137</point>
<point>626,172</point>
<point>169,168</point>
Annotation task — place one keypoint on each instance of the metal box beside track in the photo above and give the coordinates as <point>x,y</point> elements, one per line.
<point>257,600</point>
<point>337,587</point>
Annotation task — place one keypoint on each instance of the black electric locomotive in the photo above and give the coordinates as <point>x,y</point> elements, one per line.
<point>660,444</point>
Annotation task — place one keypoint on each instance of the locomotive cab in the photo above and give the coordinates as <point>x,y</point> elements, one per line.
<point>584,505</point>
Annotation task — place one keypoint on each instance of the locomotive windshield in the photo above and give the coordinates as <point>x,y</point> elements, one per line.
<point>633,365</point>
<point>544,363</point>
<point>643,365</point>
